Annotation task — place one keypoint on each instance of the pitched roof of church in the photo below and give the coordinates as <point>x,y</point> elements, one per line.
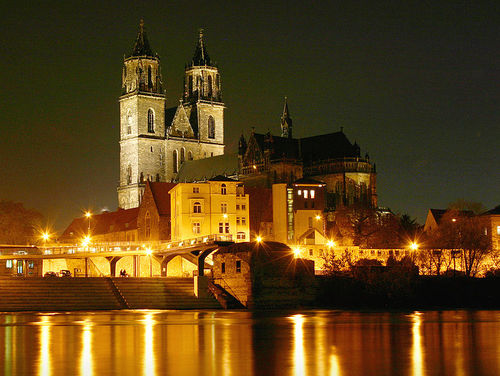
<point>327,146</point>
<point>495,210</point>
<point>201,56</point>
<point>142,46</point>
<point>280,147</point>
<point>161,196</point>
<point>207,168</point>
<point>104,223</point>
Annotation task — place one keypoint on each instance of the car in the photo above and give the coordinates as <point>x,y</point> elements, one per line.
<point>50,274</point>
<point>65,273</point>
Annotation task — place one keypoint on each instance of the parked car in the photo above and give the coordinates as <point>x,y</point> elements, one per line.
<point>65,273</point>
<point>50,274</point>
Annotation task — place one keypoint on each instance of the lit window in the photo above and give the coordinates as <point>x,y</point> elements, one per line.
<point>312,193</point>
<point>196,207</point>
<point>223,267</point>
<point>498,230</point>
<point>223,208</point>
<point>299,192</point>
<point>8,264</point>
<point>196,228</point>
<point>240,236</point>
<point>31,264</point>
<point>305,193</point>
<point>196,189</point>
<point>238,266</point>
<point>223,189</point>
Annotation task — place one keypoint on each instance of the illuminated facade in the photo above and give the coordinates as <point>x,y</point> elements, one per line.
<point>156,140</point>
<point>218,206</point>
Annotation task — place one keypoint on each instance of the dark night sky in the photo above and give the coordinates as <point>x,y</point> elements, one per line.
<point>416,86</point>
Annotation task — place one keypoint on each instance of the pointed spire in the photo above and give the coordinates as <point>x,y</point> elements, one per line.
<point>286,121</point>
<point>200,56</point>
<point>141,46</point>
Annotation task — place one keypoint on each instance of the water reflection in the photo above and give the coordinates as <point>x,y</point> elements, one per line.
<point>417,354</point>
<point>245,343</point>
<point>86,360</point>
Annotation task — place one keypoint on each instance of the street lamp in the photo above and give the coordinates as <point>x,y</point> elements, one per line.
<point>296,252</point>
<point>258,239</point>
<point>88,214</point>
<point>413,246</point>
<point>330,244</point>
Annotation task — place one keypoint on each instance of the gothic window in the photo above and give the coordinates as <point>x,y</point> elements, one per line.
<point>190,85</point>
<point>151,121</point>
<point>223,190</point>
<point>190,156</point>
<point>210,86</point>
<point>129,174</point>
<point>174,161</point>
<point>183,151</point>
<point>150,81</point>
<point>211,127</point>
<point>196,207</point>
<point>147,225</point>
<point>129,122</point>
<point>217,82</point>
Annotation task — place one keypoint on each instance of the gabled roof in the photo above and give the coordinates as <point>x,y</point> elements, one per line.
<point>437,214</point>
<point>180,125</point>
<point>161,196</point>
<point>308,181</point>
<point>327,146</point>
<point>279,147</point>
<point>142,46</point>
<point>104,223</point>
<point>221,178</point>
<point>207,168</point>
<point>495,210</point>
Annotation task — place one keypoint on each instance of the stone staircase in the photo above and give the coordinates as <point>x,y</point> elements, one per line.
<point>56,294</point>
<point>162,293</point>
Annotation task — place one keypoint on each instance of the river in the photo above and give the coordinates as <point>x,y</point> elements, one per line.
<point>238,343</point>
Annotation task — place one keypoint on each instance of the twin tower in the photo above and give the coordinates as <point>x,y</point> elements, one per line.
<point>156,140</point>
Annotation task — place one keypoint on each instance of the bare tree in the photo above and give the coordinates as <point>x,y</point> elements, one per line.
<point>17,224</point>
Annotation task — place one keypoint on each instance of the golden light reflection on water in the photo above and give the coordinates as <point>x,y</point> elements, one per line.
<point>298,349</point>
<point>417,352</point>
<point>149,354</point>
<point>45,367</point>
<point>334,362</point>
<point>86,360</point>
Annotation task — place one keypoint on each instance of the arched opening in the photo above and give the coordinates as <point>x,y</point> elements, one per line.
<point>190,85</point>
<point>151,121</point>
<point>210,86</point>
<point>183,151</point>
<point>190,156</point>
<point>150,81</point>
<point>129,174</point>
<point>211,127</point>
<point>197,207</point>
<point>175,162</point>
<point>223,189</point>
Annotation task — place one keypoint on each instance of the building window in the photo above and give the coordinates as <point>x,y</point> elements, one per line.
<point>243,207</point>
<point>8,264</point>
<point>174,161</point>
<point>211,127</point>
<point>196,228</point>
<point>226,225</point>
<point>147,225</point>
<point>196,189</point>
<point>312,193</point>
<point>150,81</point>
<point>223,267</point>
<point>238,266</point>
<point>237,207</point>
<point>151,121</point>
<point>498,230</point>
<point>196,207</point>
<point>129,174</point>
<point>223,190</point>
<point>238,220</point>
<point>190,156</point>
<point>210,86</point>
<point>31,264</point>
<point>183,152</point>
<point>299,192</point>
<point>243,221</point>
<point>305,193</point>
<point>221,228</point>
<point>311,252</point>
<point>310,222</point>
<point>240,236</point>
<point>190,85</point>
<point>223,207</point>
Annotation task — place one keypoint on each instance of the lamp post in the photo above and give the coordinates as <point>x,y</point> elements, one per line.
<point>88,214</point>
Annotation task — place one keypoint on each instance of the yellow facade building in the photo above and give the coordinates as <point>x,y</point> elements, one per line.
<point>215,207</point>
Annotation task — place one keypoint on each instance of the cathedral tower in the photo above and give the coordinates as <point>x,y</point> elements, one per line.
<point>142,122</point>
<point>286,122</point>
<point>197,130</point>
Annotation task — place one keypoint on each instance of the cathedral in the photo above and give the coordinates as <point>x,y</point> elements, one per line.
<point>186,143</point>
<point>155,140</point>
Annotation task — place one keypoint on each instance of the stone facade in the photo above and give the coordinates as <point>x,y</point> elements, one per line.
<point>156,140</point>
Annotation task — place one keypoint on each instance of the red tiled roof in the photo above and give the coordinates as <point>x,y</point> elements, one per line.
<point>107,222</point>
<point>260,201</point>
<point>161,196</point>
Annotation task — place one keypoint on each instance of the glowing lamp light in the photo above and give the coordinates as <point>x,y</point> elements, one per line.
<point>454,220</point>
<point>254,167</point>
<point>258,239</point>
<point>224,215</point>
<point>330,243</point>
<point>86,240</point>
<point>45,236</point>
<point>296,252</point>
<point>318,217</point>
<point>149,251</point>
<point>413,246</point>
